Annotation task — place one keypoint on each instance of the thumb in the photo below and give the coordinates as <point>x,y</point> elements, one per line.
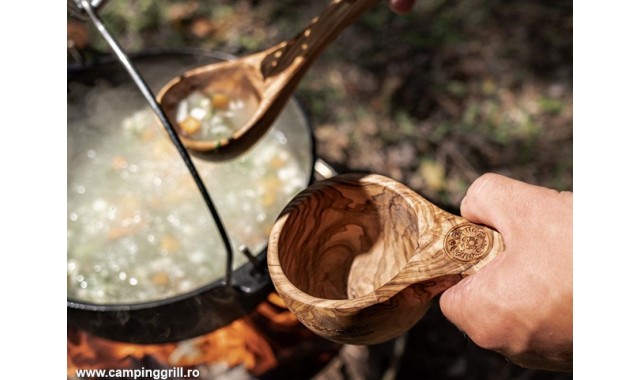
<point>502,203</point>
<point>492,200</point>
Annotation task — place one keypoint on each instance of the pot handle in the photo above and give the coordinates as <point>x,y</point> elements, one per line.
<point>323,170</point>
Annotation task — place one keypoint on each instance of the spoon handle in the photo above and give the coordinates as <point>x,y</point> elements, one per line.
<point>302,50</point>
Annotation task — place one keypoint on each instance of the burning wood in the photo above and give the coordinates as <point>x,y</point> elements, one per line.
<point>258,343</point>
<point>237,344</point>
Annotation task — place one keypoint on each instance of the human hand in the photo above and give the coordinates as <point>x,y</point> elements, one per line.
<point>521,303</point>
<point>401,6</point>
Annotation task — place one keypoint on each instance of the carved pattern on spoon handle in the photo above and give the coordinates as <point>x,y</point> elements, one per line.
<point>320,32</point>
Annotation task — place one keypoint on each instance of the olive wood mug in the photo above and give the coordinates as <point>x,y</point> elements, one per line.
<point>359,258</point>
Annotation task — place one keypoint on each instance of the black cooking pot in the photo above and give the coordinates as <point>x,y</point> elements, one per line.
<point>198,311</point>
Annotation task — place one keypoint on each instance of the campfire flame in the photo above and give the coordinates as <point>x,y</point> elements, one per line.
<point>258,342</point>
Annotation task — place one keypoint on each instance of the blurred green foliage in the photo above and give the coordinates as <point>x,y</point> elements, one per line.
<point>434,98</point>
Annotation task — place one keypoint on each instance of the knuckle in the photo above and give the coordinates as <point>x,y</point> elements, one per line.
<point>483,182</point>
<point>475,193</point>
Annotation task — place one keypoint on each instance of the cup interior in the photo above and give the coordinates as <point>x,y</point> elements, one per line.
<point>343,239</point>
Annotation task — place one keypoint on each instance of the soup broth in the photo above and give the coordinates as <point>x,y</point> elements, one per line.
<point>138,229</point>
<point>213,115</point>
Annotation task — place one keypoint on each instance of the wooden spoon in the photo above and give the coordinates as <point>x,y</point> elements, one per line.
<point>267,78</point>
<point>359,258</point>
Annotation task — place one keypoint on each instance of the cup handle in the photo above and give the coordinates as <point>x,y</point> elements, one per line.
<point>450,244</point>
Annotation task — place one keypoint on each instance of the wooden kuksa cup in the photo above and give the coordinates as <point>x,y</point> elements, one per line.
<point>359,258</point>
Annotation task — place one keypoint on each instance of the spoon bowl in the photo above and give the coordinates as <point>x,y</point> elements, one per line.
<point>266,80</point>
<point>235,80</point>
<point>359,258</point>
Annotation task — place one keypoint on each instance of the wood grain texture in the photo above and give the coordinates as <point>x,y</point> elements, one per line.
<point>271,76</point>
<point>359,258</point>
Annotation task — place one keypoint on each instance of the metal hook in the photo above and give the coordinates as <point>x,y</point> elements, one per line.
<point>75,8</point>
